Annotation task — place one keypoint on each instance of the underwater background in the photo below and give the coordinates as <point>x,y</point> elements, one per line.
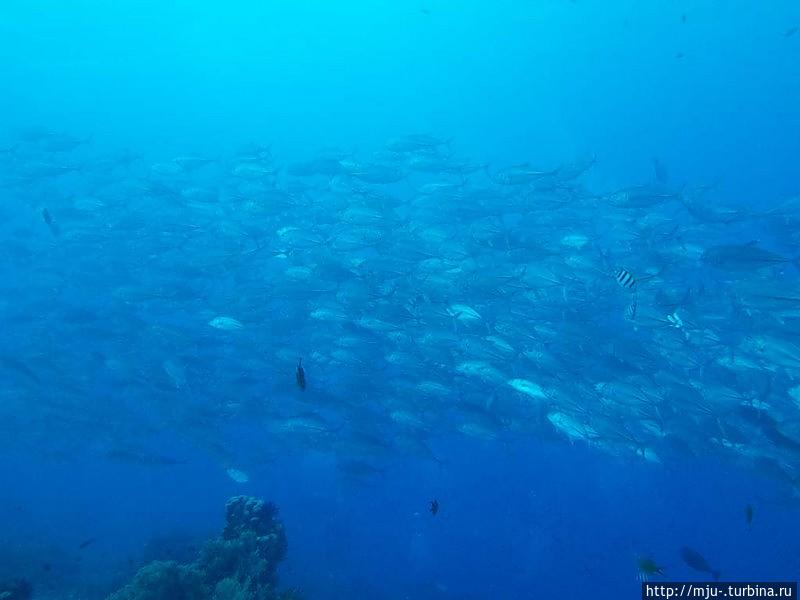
<point>187,190</point>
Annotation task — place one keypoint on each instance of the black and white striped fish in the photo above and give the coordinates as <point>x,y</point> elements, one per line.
<point>625,279</point>
<point>633,307</point>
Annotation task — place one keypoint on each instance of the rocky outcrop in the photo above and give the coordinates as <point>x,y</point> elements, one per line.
<point>241,564</point>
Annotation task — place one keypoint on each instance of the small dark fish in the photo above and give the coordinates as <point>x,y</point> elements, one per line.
<point>300,375</point>
<point>679,55</point>
<point>47,567</point>
<point>48,218</point>
<point>791,31</point>
<point>625,279</point>
<point>86,543</point>
<point>696,561</point>
<point>648,568</point>
<point>424,11</point>
<point>748,514</point>
<point>434,507</point>
<point>683,18</point>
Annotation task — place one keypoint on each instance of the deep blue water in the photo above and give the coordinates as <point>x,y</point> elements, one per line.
<point>515,522</point>
<point>711,88</point>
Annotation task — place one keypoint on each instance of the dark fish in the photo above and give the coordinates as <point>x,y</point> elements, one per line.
<point>48,218</point>
<point>742,257</point>
<point>696,561</point>
<point>625,279</point>
<point>648,567</point>
<point>434,507</point>
<point>683,18</point>
<point>769,428</point>
<point>791,31</point>
<point>47,567</point>
<point>300,375</point>
<point>86,543</point>
<point>748,514</point>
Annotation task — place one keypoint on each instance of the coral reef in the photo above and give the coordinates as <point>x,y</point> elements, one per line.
<point>241,564</point>
<point>243,514</point>
<point>177,546</point>
<point>165,580</point>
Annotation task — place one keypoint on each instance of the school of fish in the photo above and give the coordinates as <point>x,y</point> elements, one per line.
<point>370,306</point>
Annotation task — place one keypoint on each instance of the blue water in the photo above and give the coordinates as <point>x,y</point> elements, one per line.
<point>711,88</point>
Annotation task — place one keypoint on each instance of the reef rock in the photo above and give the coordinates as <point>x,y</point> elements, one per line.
<point>241,564</point>
<point>162,580</point>
<point>246,514</point>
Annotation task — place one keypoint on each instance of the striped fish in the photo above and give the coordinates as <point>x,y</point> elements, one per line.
<point>630,312</point>
<point>625,279</point>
